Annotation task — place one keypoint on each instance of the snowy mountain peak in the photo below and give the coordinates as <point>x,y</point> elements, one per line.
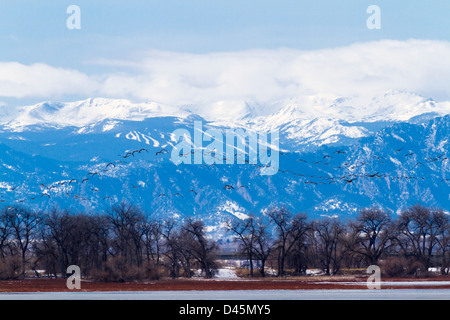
<point>387,106</point>
<point>391,106</point>
<point>86,112</point>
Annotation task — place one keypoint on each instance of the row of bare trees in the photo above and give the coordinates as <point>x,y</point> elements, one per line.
<point>124,243</point>
<point>118,245</point>
<point>412,242</point>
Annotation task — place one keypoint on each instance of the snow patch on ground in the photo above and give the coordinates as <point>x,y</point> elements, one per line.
<point>225,273</point>
<point>234,209</point>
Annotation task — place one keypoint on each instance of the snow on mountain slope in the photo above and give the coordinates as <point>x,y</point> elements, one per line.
<point>388,106</point>
<point>86,112</point>
<point>400,165</point>
<point>141,137</point>
<point>304,123</point>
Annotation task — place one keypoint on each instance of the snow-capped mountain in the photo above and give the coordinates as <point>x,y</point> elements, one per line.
<point>391,106</point>
<point>86,112</point>
<point>303,122</point>
<point>338,155</point>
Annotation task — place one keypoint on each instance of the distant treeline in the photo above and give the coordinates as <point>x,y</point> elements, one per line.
<point>407,244</point>
<point>122,244</point>
<point>126,244</point>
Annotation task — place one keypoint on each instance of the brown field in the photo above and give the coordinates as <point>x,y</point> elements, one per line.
<point>294,283</point>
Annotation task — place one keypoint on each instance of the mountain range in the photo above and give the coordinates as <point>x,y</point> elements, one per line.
<point>336,156</point>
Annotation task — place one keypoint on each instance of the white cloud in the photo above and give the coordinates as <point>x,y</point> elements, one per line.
<point>420,66</point>
<point>42,81</point>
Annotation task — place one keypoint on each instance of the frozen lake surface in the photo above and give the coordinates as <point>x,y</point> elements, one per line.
<point>383,294</point>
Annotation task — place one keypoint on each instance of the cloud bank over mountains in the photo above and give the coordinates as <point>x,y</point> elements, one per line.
<point>260,76</point>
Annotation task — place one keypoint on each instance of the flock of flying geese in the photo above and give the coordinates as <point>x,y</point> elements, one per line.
<point>313,180</point>
<point>45,194</point>
<point>351,177</point>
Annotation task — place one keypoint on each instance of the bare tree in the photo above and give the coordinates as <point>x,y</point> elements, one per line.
<point>61,232</point>
<point>254,240</point>
<point>329,233</point>
<point>245,235</point>
<point>24,224</point>
<point>5,232</point>
<point>290,230</point>
<point>422,229</point>
<point>66,238</point>
<point>128,228</point>
<point>153,237</point>
<point>171,246</point>
<point>444,244</point>
<point>372,234</point>
<point>96,244</point>
<point>202,249</point>
<point>263,243</point>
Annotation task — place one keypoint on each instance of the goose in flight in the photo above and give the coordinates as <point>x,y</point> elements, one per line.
<point>162,151</point>
<point>138,151</point>
<point>134,151</point>
<point>373,175</point>
<point>127,155</point>
<point>93,174</point>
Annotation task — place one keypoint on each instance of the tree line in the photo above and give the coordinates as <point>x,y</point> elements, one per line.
<point>408,244</point>
<point>122,244</point>
<point>125,244</point>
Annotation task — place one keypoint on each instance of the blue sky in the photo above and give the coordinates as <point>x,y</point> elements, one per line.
<point>35,31</point>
